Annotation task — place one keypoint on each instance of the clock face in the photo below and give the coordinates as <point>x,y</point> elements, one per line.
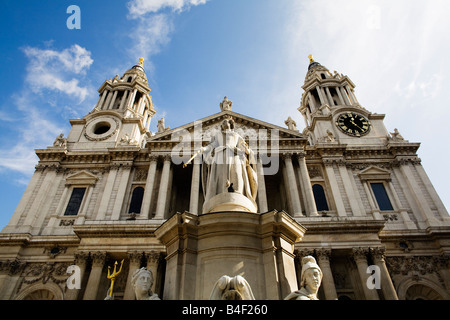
<point>353,124</point>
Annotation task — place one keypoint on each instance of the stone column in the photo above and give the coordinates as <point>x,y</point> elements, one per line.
<point>124,99</point>
<point>360,257</point>
<point>330,98</point>
<point>135,263</point>
<point>163,189</point>
<point>152,265</point>
<point>80,261</point>
<point>291,188</point>
<point>387,287</point>
<point>27,196</point>
<point>108,100</point>
<point>45,190</point>
<point>104,202</point>
<point>323,259</point>
<point>432,191</point>
<point>345,96</point>
<point>262,195</point>
<point>417,194</point>
<point>113,100</point>
<point>351,94</point>
<point>102,99</point>
<point>132,98</point>
<point>118,204</point>
<point>148,192</point>
<point>409,224</point>
<point>348,186</point>
<point>321,96</point>
<point>98,261</point>
<point>306,183</point>
<point>195,188</point>
<point>337,197</point>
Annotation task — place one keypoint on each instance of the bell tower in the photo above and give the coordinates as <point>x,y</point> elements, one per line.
<point>121,116</point>
<point>333,114</point>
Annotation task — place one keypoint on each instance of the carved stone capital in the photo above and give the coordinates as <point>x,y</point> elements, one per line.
<point>135,257</point>
<point>360,254</point>
<point>153,257</point>
<point>81,258</point>
<point>286,156</point>
<point>323,254</point>
<point>378,254</point>
<point>98,258</point>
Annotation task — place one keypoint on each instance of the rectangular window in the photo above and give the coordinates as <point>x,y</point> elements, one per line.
<point>381,196</point>
<point>75,201</point>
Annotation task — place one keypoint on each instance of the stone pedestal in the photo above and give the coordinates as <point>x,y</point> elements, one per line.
<point>230,201</point>
<point>201,249</point>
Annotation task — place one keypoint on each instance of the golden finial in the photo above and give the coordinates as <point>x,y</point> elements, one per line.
<point>141,62</point>
<point>311,60</point>
<point>113,276</point>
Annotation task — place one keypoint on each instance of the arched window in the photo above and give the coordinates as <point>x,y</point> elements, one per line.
<point>136,200</point>
<point>320,198</point>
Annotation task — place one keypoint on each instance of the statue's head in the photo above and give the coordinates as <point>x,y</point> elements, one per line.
<point>227,124</point>
<point>311,273</point>
<point>142,280</point>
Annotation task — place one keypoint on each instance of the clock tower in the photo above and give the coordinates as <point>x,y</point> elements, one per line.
<point>333,114</point>
<point>121,117</point>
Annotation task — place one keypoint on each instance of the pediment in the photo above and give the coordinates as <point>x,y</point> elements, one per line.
<point>247,127</point>
<point>81,178</point>
<point>375,173</point>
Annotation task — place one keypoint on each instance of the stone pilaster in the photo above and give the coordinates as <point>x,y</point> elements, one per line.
<point>323,259</point>
<point>98,261</point>
<point>135,263</point>
<point>360,257</point>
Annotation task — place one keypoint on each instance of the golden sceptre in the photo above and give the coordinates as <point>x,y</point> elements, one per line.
<point>192,158</point>
<point>113,276</point>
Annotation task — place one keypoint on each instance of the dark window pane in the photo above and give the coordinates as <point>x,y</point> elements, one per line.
<point>136,200</point>
<point>382,197</point>
<point>75,202</point>
<point>319,197</point>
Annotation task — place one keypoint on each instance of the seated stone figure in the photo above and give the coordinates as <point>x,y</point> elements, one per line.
<point>311,277</point>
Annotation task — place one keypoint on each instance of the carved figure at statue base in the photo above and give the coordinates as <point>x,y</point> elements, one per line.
<point>311,279</point>
<point>142,282</point>
<point>232,288</point>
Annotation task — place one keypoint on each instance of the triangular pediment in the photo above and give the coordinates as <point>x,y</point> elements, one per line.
<point>375,173</point>
<point>246,126</point>
<point>81,178</point>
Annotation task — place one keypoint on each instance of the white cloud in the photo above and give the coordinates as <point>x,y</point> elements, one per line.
<point>151,34</point>
<point>37,127</point>
<point>51,70</point>
<point>34,129</point>
<point>139,8</point>
<point>154,27</point>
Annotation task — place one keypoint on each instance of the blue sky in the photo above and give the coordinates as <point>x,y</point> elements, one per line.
<point>198,51</point>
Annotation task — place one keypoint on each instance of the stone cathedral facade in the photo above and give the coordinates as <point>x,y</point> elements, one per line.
<point>344,190</point>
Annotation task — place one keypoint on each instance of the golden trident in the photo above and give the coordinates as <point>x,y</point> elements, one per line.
<point>113,276</point>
